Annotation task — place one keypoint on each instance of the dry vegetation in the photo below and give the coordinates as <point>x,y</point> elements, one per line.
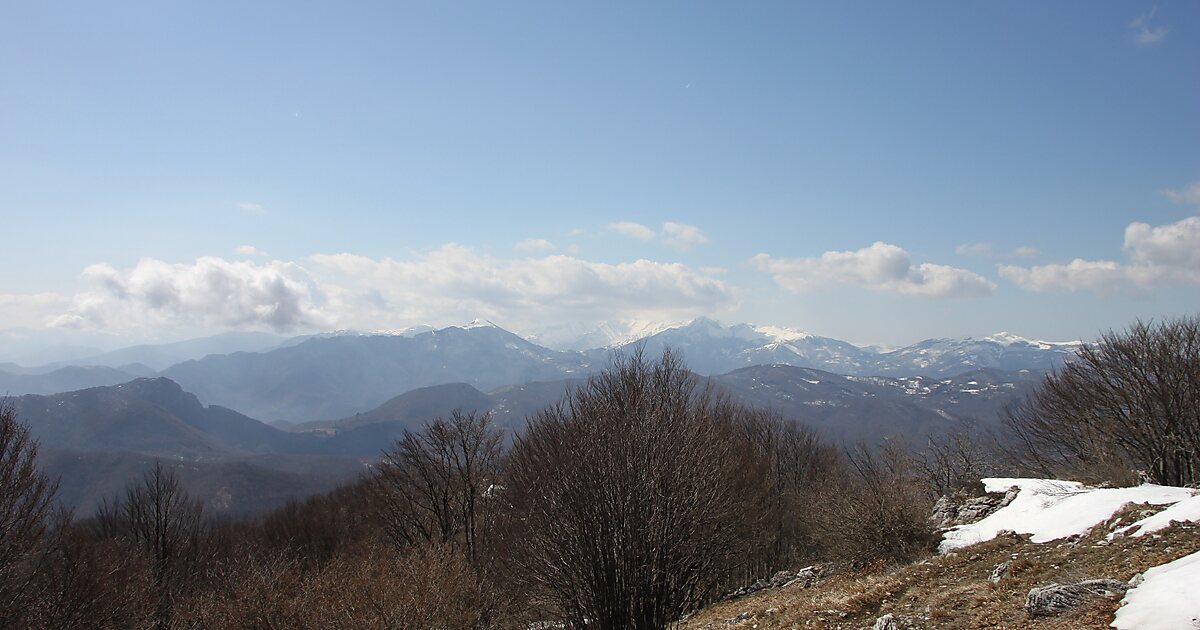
<point>954,591</point>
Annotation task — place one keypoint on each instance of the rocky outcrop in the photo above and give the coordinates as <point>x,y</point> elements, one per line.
<point>960,509</point>
<point>806,577</point>
<point>1053,599</point>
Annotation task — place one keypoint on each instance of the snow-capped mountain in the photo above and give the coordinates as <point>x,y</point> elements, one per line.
<point>711,348</point>
<point>580,337</point>
<point>1001,351</point>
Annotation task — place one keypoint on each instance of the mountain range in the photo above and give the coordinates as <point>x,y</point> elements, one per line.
<point>339,399</point>
<point>316,378</point>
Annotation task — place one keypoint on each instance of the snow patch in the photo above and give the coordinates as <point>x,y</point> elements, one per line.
<point>1050,509</point>
<point>1186,510</point>
<point>1165,600</point>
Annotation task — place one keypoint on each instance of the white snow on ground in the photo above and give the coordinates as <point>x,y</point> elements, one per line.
<point>1165,600</point>
<point>1186,510</point>
<point>1051,509</point>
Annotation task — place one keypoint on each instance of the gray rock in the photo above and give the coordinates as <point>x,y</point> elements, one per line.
<point>1000,571</point>
<point>893,622</point>
<point>806,577</point>
<point>959,509</point>
<point>1053,599</point>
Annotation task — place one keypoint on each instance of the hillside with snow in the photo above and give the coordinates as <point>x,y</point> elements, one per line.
<point>1032,553</point>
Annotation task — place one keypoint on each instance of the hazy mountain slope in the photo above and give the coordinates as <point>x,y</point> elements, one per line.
<point>415,406</point>
<point>160,356</point>
<point>333,377</point>
<point>30,346</point>
<point>512,405</point>
<point>60,380</point>
<point>368,433</point>
<point>151,416</point>
<point>850,408</point>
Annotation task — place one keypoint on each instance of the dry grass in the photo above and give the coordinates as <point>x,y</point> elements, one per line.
<point>953,591</point>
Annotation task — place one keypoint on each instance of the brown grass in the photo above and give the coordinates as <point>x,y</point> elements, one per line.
<point>953,591</point>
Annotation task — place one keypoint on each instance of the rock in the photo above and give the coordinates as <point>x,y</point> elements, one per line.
<point>1053,599</point>
<point>959,509</point>
<point>1000,571</point>
<point>893,622</point>
<point>805,577</point>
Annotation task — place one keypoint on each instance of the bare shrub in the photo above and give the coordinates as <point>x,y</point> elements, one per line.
<point>157,517</point>
<point>377,587</point>
<point>880,513</point>
<point>800,467</point>
<point>86,582</point>
<point>633,496</point>
<point>1130,401</point>
<point>26,500</point>
<point>956,460</point>
<point>432,485</point>
<point>317,529</point>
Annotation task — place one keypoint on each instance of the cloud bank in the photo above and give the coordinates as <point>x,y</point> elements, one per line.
<point>209,292</point>
<point>447,285</point>
<point>881,267</point>
<point>1156,256</point>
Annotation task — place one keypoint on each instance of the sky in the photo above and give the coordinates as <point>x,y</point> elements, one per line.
<point>875,172</point>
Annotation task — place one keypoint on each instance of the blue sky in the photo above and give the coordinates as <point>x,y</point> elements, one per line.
<point>378,165</point>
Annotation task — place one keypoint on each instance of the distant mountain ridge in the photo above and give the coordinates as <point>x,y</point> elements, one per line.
<point>338,374</point>
<point>840,407</point>
<point>710,348</point>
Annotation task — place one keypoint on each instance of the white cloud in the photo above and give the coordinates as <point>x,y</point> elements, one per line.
<point>1144,33</point>
<point>534,245</point>
<point>677,235</point>
<point>1189,195</point>
<point>447,285</point>
<point>250,206</point>
<point>633,230</point>
<point>454,283</point>
<point>682,236</point>
<point>1025,252</point>
<point>209,292</point>
<point>880,267</point>
<point>974,249</point>
<point>250,250</point>
<point>1162,256</point>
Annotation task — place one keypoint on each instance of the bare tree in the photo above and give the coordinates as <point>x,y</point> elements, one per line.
<point>800,467</point>
<point>632,496</point>
<point>880,511</point>
<point>956,460</point>
<point>165,524</point>
<point>1130,401</point>
<point>432,483</point>
<point>26,502</point>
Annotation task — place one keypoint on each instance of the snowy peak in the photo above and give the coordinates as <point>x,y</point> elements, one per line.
<point>581,337</point>
<point>783,335</point>
<point>1009,339</point>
